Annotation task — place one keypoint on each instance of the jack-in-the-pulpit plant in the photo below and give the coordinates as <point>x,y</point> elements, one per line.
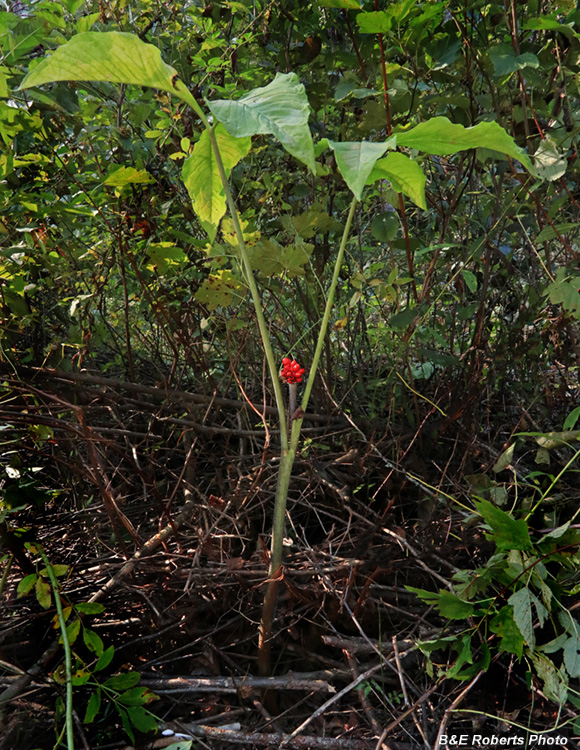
<point>280,109</point>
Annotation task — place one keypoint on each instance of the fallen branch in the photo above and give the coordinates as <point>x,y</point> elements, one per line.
<point>283,740</point>
<point>248,683</point>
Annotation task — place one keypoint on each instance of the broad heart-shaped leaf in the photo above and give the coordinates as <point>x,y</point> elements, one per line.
<point>201,176</point>
<point>280,109</point>
<point>404,174</point>
<point>112,56</point>
<point>443,137</point>
<point>356,159</point>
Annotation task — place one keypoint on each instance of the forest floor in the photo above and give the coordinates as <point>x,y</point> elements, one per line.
<point>160,505</point>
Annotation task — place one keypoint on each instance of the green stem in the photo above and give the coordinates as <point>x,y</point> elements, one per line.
<point>67,652</point>
<point>286,462</point>
<point>288,449</point>
<point>184,94</point>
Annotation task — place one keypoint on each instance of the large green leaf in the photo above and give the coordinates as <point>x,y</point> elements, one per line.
<point>374,22</point>
<point>451,606</point>
<point>357,159</point>
<point>280,109</point>
<point>404,174</point>
<point>441,136</point>
<point>506,61</point>
<point>112,56</point>
<point>202,179</point>
<point>507,532</point>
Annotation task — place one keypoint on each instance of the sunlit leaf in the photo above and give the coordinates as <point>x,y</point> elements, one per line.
<point>280,109</point>
<point>201,176</point>
<point>441,136</point>
<point>404,174</point>
<point>113,56</point>
<point>356,160</point>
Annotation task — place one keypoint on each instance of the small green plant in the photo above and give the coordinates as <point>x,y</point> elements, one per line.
<point>120,691</point>
<point>515,602</point>
<point>280,109</point>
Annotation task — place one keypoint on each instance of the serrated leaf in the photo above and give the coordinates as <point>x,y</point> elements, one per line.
<point>136,696</point>
<point>201,175</point>
<point>113,56</point>
<point>550,163</point>
<point>58,570</point>
<point>385,226</point>
<point>105,659</point>
<point>219,290</point>
<point>572,418</point>
<point>26,585</point>
<point>521,602</point>
<point>552,232</point>
<point>505,60</point>
<point>440,136</point>
<point>404,174</point>
<point>43,593</point>
<point>553,646</point>
<point>164,255</point>
<point>470,279</point>
<point>280,109</point>
<point>142,719</point>
<point>555,681</point>
<point>511,638</point>
<point>93,707</point>
<point>125,721</point>
<point>72,630</point>
<point>507,532</point>
<point>572,656</point>
<point>356,159</point>
<point>80,677</point>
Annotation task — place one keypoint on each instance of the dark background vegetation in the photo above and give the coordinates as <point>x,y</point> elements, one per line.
<point>129,354</point>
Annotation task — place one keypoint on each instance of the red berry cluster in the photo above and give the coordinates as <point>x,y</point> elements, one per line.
<point>291,371</point>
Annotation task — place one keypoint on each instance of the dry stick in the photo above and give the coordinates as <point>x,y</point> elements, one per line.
<point>22,683</point>
<point>282,740</point>
<point>321,709</point>
<point>161,393</point>
<point>404,543</point>
<point>414,707</point>
<point>290,681</point>
<point>400,671</point>
<point>453,706</point>
<point>363,697</point>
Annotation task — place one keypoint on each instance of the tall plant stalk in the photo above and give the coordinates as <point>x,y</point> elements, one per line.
<point>288,447</point>
<point>286,463</point>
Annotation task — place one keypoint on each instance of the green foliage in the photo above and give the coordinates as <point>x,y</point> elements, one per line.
<point>112,56</point>
<point>280,109</point>
<point>515,598</point>
<point>116,256</point>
